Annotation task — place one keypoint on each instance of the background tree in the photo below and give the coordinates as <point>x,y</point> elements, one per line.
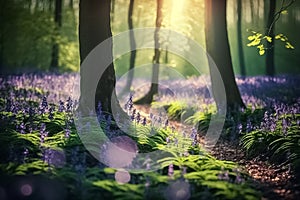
<point>148,98</point>
<point>132,47</point>
<point>2,36</point>
<point>58,23</point>
<point>71,4</point>
<point>94,28</point>
<point>113,10</point>
<point>218,48</point>
<point>270,67</point>
<point>240,38</point>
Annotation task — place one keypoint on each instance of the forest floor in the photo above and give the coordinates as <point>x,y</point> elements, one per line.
<point>274,181</point>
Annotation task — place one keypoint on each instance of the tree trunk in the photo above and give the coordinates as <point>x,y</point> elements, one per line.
<point>218,48</point>
<point>270,67</point>
<point>55,48</point>
<point>71,4</point>
<point>148,98</point>
<point>50,6</point>
<point>240,39</point>
<point>3,6</point>
<point>132,47</point>
<point>113,10</point>
<point>251,9</point>
<point>1,53</point>
<point>94,28</point>
<point>37,5</point>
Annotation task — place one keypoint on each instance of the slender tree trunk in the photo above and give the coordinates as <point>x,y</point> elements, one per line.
<point>50,5</point>
<point>266,11</point>
<point>240,38</point>
<point>94,28</point>
<point>270,66</point>
<point>58,23</point>
<point>148,98</point>
<point>113,10</point>
<point>29,5</point>
<point>37,5</point>
<point>1,52</point>
<point>157,52</point>
<point>132,47</point>
<point>71,4</point>
<point>2,37</point>
<point>218,48</point>
<point>251,9</point>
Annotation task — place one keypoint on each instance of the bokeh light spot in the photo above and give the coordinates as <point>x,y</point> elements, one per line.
<point>26,190</point>
<point>179,190</point>
<point>120,152</point>
<point>122,177</point>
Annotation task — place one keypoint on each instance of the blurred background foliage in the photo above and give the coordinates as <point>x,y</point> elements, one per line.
<point>28,32</point>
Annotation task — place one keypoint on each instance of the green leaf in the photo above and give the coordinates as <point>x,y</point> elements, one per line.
<point>254,42</point>
<point>251,37</point>
<point>278,36</point>
<point>268,38</point>
<point>289,46</point>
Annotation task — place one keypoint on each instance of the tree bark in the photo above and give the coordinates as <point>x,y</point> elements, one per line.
<point>113,10</point>
<point>270,66</point>
<point>251,9</point>
<point>132,47</point>
<point>50,6</point>
<point>148,98</point>
<point>218,48</point>
<point>3,6</point>
<point>240,39</point>
<point>94,28</point>
<point>58,23</point>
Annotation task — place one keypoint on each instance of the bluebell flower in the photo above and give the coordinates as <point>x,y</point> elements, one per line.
<point>171,170</point>
<point>168,140</point>
<point>166,123</point>
<point>138,117</point>
<point>194,133</point>
<point>223,175</point>
<point>184,169</point>
<point>240,128</point>
<point>132,117</point>
<point>43,133</point>
<point>26,152</point>
<point>176,142</point>
<point>61,107</point>
<point>144,121</point>
<point>159,120</point>
<point>248,126</point>
<point>67,133</point>
<point>173,129</point>
<point>44,105</point>
<point>150,116</point>
<point>69,104</point>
